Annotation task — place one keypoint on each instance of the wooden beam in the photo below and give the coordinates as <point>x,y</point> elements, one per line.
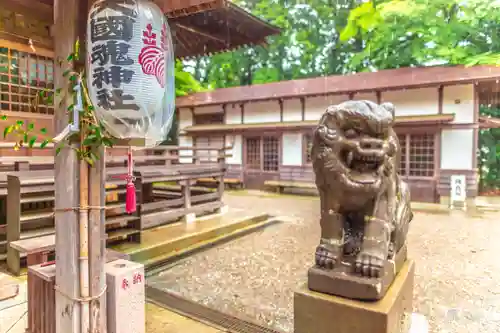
<point>201,33</point>
<point>30,8</point>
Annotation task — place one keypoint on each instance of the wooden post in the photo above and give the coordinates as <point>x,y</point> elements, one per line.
<point>68,17</point>
<point>186,193</point>
<point>97,244</point>
<point>21,166</point>
<point>221,160</point>
<point>13,222</point>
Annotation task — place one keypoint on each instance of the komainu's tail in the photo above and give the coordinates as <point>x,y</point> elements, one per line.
<point>404,215</point>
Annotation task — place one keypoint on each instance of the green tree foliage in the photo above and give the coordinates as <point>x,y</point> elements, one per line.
<point>489,153</point>
<point>185,84</point>
<point>308,45</point>
<point>401,33</point>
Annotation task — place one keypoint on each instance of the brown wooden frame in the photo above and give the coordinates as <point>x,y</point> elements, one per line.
<point>261,135</point>
<point>15,98</point>
<point>305,153</point>
<point>436,133</point>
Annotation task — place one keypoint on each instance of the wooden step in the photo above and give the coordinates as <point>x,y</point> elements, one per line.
<point>122,220</point>
<point>121,234</point>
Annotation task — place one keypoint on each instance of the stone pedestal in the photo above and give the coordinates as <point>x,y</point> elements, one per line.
<point>321,313</point>
<point>125,297</point>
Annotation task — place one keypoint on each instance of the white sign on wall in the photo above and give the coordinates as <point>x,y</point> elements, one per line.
<point>458,189</point>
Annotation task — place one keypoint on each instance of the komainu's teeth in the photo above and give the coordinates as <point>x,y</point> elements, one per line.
<point>349,159</point>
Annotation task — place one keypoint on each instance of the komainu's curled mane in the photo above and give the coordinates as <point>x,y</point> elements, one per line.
<point>365,207</point>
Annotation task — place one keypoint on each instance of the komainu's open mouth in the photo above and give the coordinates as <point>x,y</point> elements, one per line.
<point>363,168</point>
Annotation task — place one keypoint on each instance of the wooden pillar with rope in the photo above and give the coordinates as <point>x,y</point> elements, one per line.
<point>80,198</point>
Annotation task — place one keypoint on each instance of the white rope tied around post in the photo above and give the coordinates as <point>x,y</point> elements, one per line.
<point>81,299</point>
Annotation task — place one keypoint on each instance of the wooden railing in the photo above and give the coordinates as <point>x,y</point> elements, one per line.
<point>30,197</point>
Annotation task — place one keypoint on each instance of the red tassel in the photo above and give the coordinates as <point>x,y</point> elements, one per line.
<point>130,200</point>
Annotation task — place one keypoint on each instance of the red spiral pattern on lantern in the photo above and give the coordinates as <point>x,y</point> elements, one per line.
<point>152,61</point>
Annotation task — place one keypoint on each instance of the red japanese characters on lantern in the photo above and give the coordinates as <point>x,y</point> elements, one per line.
<point>130,69</point>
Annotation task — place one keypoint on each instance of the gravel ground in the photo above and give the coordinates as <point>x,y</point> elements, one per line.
<point>457,270</point>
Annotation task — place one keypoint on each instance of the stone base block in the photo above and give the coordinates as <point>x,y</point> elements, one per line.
<point>126,308</point>
<point>189,218</point>
<point>223,209</point>
<point>321,313</point>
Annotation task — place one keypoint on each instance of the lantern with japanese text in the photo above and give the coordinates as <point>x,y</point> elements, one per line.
<point>130,74</point>
<point>130,69</point>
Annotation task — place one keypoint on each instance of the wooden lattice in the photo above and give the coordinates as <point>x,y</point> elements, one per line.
<point>421,155</point>
<point>253,153</point>
<point>270,150</point>
<point>22,77</point>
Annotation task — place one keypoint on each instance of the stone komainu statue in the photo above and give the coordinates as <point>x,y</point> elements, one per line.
<point>365,207</point>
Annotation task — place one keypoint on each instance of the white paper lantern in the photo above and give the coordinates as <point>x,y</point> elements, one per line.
<point>130,69</point>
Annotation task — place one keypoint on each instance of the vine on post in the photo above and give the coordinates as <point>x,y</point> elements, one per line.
<point>91,134</point>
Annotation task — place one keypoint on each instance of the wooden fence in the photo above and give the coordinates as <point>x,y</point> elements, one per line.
<point>166,192</point>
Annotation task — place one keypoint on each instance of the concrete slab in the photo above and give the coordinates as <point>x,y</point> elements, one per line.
<point>9,287</point>
<point>13,315</point>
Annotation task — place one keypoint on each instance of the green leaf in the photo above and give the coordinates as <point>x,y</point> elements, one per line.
<point>4,117</point>
<point>89,141</point>
<point>44,143</point>
<point>66,72</point>
<point>43,130</point>
<point>58,91</point>
<point>31,126</point>
<point>20,122</point>
<point>7,130</point>
<point>32,141</point>
<point>58,150</point>
<point>89,160</point>
<point>77,49</point>
<point>71,57</point>
<point>107,142</point>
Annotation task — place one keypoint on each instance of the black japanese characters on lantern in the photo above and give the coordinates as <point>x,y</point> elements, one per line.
<point>110,56</point>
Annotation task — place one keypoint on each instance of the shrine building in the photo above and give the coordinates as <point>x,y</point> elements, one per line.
<point>270,125</point>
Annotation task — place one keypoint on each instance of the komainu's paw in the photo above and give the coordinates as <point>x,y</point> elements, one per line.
<point>327,256</point>
<point>369,265</point>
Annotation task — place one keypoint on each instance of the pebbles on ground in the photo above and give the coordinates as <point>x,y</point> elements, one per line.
<point>457,267</point>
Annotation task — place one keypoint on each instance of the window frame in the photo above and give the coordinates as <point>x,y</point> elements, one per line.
<point>261,138</point>
<point>306,153</point>
<point>32,56</point>
<point>408,155</point>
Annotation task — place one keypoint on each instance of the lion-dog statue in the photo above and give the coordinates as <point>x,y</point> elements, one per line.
<point>365,206</point>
